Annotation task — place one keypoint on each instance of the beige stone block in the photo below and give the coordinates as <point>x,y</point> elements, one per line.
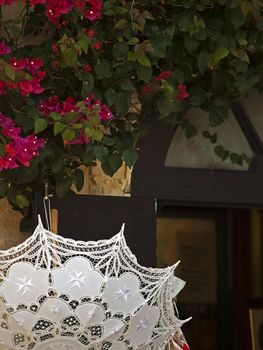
<point>10,234</point>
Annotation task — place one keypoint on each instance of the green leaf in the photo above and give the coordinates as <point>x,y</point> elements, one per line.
<point>217,56</point>
<point>71,117</point>
<point>111,96</point>
<point>120,50</point>
<point>58,165</point>
<point>130,157</point>
<point>58,127</point>
<point>107,168</point>
<point>115,161</point>
<point>55,116</point>
<point>133,41</point>
<point>197,96</point>
<point>2,150</point>
<point>84,43</point>
<point>217,115</point>
<point>3,189</point>
<point>22,201</point>
<point>159,45</point>
<point>237,18</point>
<point>166,104</point>
<point>101,153</point>
<point>211,137</point>
<point>121,24</point>
<point>202,62</point>
<point>9,71</point>
<point>40,125</point>
<point>26,123</point>
<point>88,157</point>
<point>70,57</point>
<point>144,73</point>
<point>236,158</point>
<point>15,31</point>
<point>63,186</point>
<point>126,85</point>
<point>68,135</point>
<point>246,82</point>
<point>103,69</point>
<point>87,87</point>
<point>123,103</point>
<point>142,58</point>
<point>190,131</point>
<point>221,152</point>
<point>79,179</point>
<point>109,140</point>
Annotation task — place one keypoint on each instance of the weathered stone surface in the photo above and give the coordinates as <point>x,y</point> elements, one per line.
<point>9,226</point>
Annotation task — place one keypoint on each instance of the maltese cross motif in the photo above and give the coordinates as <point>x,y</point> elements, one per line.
<point>143,324</point>
<point>77,279</point>
<point>123,294</point>
<point>25,285</point>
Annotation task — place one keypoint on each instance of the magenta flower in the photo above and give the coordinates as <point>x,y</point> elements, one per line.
<point>4,49</point>
<point>2,87</point>
<point>105,113</point>
<point>30,87</point>
<point>34,64</point>
<point>56,8</point>
<point>53,105</point>
<point>166,74</point>
<point>19,64</point>
<point>18,149</point>
<point>92,14</point>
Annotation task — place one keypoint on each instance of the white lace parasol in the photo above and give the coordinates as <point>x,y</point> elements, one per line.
<point>61,294</point>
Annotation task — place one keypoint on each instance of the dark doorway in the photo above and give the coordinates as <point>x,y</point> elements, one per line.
<point>218,255</point>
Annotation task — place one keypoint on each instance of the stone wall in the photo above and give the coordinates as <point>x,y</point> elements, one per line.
<point>96,183</point>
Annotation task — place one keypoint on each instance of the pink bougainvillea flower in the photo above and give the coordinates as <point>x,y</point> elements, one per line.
<point>166,74</point>
<point>2,87</point>
<point>97,45</point>
<point>34,64</point>
<point>10,150</point>
<point>11,85</point>
<point>148,89</point>
<point>57,8</point>
<point>95,4</point>
<point>18,149</point>
<point>87,68</point>
<point>92,14</point>
<point>105,113</point>
<point>54,48</point>
<point>30,87</point>
<point>69,105</point>
<point>183,94</point>
<point>4,49</point>
<point>52,105</point>
<point>80,4</point>
<point>19,64</point>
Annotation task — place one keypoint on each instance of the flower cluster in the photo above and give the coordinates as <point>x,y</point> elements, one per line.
<point>94,8</point>
<point>4,49</point>
<point>91,9</point>
<point>17,149</point>
<point>70,105</point>
<point>26,86</point>
<point>150,88</point>
<point>91,106</point>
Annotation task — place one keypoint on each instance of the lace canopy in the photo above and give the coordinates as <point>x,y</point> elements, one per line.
<point>61,294</point>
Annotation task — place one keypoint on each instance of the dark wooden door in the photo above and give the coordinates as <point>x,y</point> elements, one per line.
<point>84,217</point>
